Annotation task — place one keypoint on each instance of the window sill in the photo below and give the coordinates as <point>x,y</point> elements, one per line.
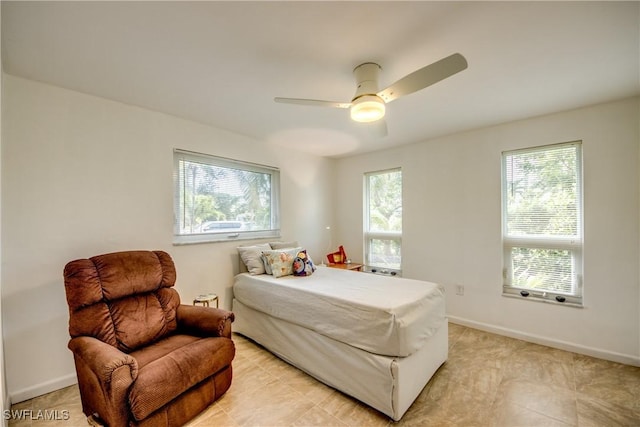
<point>550,299</point>
<point>194,239</point>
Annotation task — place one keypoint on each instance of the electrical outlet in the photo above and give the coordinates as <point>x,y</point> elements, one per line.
<point>459,290</point>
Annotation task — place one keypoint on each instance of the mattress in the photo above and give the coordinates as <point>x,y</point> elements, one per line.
<point>389,316</point>
<point>387,383</point>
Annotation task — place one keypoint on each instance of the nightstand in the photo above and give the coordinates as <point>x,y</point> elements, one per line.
<point>206,299</point>
<point>351,266</point>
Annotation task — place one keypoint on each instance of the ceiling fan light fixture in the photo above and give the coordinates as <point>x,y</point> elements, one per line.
<point>367,108</point>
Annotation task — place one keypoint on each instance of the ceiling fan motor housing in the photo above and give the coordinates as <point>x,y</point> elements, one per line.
<point>367,79</point>
<point>366,106</point>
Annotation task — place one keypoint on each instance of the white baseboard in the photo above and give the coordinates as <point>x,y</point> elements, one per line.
<point>627,359</point>
<point>42,388</point>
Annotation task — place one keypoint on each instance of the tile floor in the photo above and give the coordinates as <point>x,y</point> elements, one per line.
<point>489,380</point>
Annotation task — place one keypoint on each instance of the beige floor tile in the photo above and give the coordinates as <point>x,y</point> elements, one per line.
<point>281,413</point>
<point>478,348</point>
<point>595,412</point>
<point>19,415</point>
<point>278,368</point>
<point>308,386</point>
<point>68,414</point>
<point>535,364</point>
<point>552,354</point>
<point>18,422</point>
<point>356,414</point>
<point>482,339</point>
<point>352,412</point>
<point>275,404</point>
<point>455,331</point>
<point>316,417</point>
<point>335,401</point>
<point>27,404</point>
<point>425,412</point>
<point>459,405</point>
<point>608,381</point>
<point>488,380</point>
<point>509,414</point>
<point>69,394</point>
<point>59,408</point>
<point>554,402</point>
<point>213,416</point>
<point>248,376</point>
<point>480,380</point>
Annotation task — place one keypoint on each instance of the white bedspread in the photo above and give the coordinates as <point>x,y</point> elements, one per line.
<point>390,316</point>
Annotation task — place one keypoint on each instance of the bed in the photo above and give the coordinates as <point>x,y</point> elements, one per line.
<point>376,338</point>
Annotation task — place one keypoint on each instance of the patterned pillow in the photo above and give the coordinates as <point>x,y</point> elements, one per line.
<point>281,261</point>
<point>302,264</point>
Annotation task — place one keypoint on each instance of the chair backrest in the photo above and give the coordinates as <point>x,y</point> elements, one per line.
<point>124,298</point>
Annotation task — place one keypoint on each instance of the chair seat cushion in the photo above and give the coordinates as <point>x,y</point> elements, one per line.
<point>155,351</point>
<point>173,373</point>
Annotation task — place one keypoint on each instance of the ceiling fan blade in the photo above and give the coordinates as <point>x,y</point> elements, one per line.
<point>313,102</point>
<point>424,77</point>
<point>377,129</point>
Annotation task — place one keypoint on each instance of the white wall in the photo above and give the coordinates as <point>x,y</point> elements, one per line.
<point>81,176</point>
<point>451,229</point>
<point>4,398</point>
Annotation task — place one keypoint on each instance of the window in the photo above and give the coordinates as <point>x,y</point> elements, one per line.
<point>221,199</point>
<point>542,223</point>
<point>383,219</point>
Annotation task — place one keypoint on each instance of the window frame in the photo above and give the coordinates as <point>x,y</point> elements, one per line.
<point>573,244</point>
<point>369,236</point>
<point>222,236</point>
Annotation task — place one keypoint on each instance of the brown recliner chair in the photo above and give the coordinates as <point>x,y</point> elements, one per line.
<point>141,357</point>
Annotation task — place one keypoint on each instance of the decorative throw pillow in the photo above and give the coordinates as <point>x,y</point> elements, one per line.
<point>302,264</point>
<point>281,261</point>
<point>277,246</point>
<point>252,257</point>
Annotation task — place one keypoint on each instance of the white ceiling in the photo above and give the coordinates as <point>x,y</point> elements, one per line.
<point>222,63</point>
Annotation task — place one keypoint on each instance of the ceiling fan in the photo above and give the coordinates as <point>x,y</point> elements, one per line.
<point>368,103</point>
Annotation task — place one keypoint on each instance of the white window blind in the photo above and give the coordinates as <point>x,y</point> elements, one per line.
<point>221,199</point>
<point>542,223</point>
<point>383,219</point>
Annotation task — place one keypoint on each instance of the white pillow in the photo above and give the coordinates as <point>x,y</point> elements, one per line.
<point>252,257</point>
<point>283,245</point>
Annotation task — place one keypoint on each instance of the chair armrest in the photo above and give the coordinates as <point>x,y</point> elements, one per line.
<point>205,321</point>
<point>104,376</point>
<point>102,358</point>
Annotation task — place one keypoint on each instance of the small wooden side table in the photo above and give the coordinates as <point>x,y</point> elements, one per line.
<point>350,266</point>
<point>206,299</point>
